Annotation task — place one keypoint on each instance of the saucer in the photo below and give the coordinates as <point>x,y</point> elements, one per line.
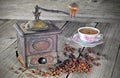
<point>76,39</point>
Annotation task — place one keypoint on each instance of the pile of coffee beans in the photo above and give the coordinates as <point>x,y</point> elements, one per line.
<point>83,63</point>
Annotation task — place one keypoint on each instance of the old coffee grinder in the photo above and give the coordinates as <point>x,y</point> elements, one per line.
<point>37,42</point>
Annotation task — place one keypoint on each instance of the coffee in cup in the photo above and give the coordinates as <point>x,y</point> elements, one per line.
<point>89,34</point>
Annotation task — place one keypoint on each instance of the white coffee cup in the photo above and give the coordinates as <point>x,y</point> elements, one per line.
<point>89,34</point>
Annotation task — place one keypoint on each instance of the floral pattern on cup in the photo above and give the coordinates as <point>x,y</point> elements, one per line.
<point>93,39</point>
<point>90,39</point>
<point>87,38</point>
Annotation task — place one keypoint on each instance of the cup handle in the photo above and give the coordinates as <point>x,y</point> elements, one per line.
<point>99,37</point>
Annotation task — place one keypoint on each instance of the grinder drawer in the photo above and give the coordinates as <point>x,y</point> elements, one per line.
<point>50,58</point>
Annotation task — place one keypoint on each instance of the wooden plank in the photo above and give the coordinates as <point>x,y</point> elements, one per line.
<point>71,28</point>
<point>7,37</point>
<point>7,34</point>
<point>59,24</point>
<point>1,22</point>
<point>108,11</point>
<point>116,71</point>
<point>109,49</point>
<point>7,60</point>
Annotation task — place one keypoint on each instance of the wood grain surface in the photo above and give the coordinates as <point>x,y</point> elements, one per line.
<point>105,11</point>
<point>110,49</point>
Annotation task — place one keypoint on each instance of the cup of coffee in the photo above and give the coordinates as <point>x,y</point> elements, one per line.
<point>89,34</point>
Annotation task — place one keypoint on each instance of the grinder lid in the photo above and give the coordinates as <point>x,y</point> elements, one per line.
<point>36,25</point>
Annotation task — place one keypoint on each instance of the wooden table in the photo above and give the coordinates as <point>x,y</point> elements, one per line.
<point>110,66</point>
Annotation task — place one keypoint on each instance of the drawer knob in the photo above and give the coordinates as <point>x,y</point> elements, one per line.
<point>42,60</point>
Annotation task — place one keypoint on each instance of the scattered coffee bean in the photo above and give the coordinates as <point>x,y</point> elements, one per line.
<point>16,72</point>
